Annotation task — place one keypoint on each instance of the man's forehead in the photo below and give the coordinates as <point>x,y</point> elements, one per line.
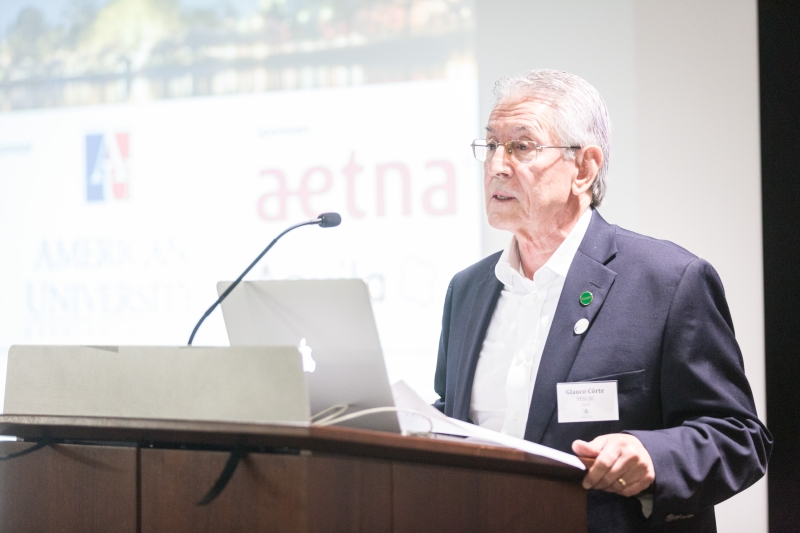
<point>516,128</point>
<point>521,115</point>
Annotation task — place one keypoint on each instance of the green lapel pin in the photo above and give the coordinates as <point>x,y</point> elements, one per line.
<point>586,298</point>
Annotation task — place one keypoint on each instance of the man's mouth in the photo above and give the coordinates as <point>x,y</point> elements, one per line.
<point>502,197</point>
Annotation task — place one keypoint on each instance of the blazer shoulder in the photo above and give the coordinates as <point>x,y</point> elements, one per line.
<point>646,249</point>
<point>477,271</point>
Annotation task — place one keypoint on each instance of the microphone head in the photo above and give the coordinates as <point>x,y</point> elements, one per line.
<point>329,220</point>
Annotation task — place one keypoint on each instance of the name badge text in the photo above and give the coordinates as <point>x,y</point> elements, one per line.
<point>587,401</point>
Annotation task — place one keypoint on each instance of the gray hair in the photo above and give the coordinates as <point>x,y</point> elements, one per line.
<point>580,116</point>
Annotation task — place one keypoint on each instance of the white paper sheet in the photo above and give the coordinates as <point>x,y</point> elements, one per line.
<point>405,397</point>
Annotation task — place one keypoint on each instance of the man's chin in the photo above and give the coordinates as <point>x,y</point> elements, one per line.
<point>501,221</point>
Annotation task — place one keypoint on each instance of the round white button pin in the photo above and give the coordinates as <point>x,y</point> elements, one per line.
<point>581,326</point>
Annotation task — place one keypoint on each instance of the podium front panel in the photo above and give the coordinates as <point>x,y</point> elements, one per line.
<point>68,488</point>
<point>291,479</point>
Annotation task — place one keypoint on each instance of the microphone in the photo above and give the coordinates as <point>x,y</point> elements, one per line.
<point>329,220</point>
<point>325,220</point>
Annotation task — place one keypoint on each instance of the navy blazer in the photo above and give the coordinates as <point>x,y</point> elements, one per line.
<point>660,326</point>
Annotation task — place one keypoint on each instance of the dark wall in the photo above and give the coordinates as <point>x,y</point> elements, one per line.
<point>779,50</point>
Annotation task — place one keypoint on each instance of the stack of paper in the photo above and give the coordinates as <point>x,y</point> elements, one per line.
<point>406,398</point>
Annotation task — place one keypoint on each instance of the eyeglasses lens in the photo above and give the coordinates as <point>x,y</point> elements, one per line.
<point>479,150</point>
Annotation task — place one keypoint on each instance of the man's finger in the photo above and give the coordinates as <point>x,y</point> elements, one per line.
<point>625,468</point>
<point>602,464</point>
<point>636,488</point>
<point>589,449</point>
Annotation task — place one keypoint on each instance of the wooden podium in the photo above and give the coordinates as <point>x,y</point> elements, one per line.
<point>129,475</point>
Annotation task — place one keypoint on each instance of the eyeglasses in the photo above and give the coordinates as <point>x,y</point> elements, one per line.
<point>521,151</point>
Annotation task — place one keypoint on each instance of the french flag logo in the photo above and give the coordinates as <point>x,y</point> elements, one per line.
<point>107,172</point>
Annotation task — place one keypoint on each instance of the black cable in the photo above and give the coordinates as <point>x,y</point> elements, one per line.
<point>38,446</point>
<point>224,477</point>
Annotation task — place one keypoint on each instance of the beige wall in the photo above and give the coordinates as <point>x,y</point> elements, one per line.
<point>681,82</point>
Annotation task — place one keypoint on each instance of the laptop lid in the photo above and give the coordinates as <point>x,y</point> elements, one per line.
<point>331,318</point>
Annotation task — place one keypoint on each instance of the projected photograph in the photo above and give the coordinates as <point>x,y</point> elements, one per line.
<point>83,52</point>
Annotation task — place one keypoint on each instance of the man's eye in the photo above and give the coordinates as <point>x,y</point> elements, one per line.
<point>491,145</point>
<point>524,146</point>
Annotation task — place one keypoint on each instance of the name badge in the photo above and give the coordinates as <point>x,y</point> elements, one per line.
<point>587,401</point>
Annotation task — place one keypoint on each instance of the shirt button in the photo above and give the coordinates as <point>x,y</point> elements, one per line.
<point>516,416</point>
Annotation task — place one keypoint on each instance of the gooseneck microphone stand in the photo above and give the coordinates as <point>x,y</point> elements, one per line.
<point>325,220</point>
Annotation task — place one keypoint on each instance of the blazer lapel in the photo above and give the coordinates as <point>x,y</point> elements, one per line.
<point>587,273</point>
<point>484,300</point>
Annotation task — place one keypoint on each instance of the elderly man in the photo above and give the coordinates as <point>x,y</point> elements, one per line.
<point>575,299</point>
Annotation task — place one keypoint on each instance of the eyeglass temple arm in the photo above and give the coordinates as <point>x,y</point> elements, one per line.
<point>570,147</point>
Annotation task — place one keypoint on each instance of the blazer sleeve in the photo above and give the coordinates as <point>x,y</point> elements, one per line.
<point>713,445</point>
<point>440,378</point>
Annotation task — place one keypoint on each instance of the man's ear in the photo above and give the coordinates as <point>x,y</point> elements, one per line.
<point>588,162</point>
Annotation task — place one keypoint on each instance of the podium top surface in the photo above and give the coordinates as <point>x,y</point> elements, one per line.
<point>443,451</point>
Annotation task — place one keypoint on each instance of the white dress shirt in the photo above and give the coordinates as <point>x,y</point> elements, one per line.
<point>514,342</point>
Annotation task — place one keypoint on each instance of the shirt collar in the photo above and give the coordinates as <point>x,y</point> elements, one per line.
<point>508,269</point>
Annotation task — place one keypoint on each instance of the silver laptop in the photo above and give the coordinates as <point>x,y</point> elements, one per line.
<point>331,323</point>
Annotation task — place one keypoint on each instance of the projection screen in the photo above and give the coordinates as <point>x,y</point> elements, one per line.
<point>149,149</point>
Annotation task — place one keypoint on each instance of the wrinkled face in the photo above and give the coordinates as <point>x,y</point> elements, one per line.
<point>524,192</point>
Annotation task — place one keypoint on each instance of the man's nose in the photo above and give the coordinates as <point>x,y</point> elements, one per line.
<point>500,162</point>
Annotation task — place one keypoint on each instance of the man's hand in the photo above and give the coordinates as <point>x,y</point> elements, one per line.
<point>618,456</point>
